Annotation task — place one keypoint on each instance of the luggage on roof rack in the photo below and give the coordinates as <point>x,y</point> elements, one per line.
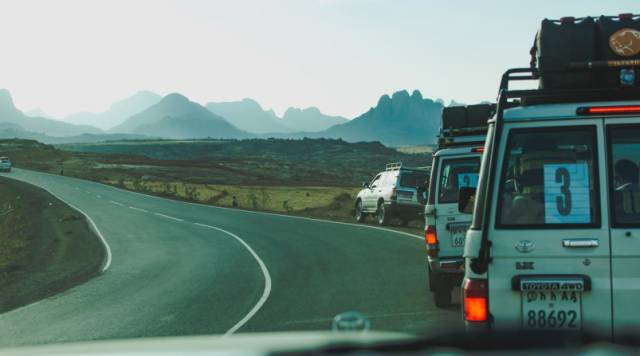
<point>617,39</point>
<point>584,53</point>
<point>464,125</point>
<point>557,44</point>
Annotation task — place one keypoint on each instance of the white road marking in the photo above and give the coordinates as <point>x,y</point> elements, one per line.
<point>138,209</point>
<point>168,217</point>
<point>265,273</point>
<point>116,203</point>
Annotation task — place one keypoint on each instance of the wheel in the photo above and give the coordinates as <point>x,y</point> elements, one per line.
<point>383,216</point>
<point>360,215</point>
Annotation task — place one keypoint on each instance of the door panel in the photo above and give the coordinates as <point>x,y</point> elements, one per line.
<point>623,144</point>
<point>543,227</point>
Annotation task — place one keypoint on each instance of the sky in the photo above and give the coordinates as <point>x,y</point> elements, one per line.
<point>67,56</point>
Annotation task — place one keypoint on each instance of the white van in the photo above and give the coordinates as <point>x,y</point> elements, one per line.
<point>455,165</point>
<point>555,236</point>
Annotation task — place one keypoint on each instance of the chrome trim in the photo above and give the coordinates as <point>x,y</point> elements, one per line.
<point>580,243</point>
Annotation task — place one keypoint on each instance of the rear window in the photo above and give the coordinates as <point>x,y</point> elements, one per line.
<point>455,174</point>
<point>413,179</point>
<point>548,179</point>
<point>624,150</point>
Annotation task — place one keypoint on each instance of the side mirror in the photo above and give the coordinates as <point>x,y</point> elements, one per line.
<point>420,194</point>
<point>365,184</point>
<point>466,199</point>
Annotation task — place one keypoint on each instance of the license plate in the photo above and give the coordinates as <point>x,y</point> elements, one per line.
<point>458,233</point>
<point>552,309</point>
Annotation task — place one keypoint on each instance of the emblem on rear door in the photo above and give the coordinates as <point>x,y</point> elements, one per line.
<point>525,246</point>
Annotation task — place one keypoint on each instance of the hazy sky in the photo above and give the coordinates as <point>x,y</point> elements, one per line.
<point>338,55</point>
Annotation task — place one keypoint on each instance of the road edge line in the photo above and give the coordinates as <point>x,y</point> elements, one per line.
<point>265,272</point>
<point>92,224</point>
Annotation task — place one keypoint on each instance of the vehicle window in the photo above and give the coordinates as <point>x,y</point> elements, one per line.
<point>548,178</point>
<point>455,174</point>
<point>413,179</point>
<point>624,150</point>
<point>376,181</point>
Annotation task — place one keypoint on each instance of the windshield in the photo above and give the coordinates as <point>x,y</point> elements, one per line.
<point>264,168</point>
<point>548,178</point>
<point>413,179</point>
<point>456,174</point>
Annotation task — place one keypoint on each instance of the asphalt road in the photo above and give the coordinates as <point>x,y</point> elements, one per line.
<point>184,269</point>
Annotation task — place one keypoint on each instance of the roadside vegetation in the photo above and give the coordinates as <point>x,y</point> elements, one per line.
<point>311,177</point>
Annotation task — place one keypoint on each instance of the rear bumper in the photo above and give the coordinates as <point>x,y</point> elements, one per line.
<point>408,210</point>
<point>453,266</point>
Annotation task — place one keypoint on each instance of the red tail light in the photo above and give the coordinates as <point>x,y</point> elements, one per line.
<point>394,194</point>
<point>567,20</point>
<point>609,110</point>
<point>430,235</point>
<point>476,301</point>
<point>431,238</point>
<point>478,149</point>
<point>625,16</point>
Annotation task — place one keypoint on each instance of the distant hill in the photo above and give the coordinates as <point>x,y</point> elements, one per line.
<point>37,112</point>
<point>310,119</point>
<point>10,114</point>
<point>175,116</point>
<point>118,112</point>
<point>401,119</point>
<point>248,115</point>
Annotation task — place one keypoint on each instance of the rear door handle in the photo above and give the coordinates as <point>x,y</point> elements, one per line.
<point>580,243</point>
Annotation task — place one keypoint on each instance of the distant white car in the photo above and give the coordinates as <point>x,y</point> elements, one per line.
<point>5,164</point>
<point>392,193</point>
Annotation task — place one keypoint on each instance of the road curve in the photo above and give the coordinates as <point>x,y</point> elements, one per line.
<point>186,269</point>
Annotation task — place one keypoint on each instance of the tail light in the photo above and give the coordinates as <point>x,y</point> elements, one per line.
<point>609,110</point>
<point>394,194</point>
<point>625,16</point>
<point>431,238</point>
<point>476,300</point>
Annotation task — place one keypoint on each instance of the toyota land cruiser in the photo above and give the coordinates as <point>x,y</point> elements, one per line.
<point>555,236</point>
<point>455,165</point>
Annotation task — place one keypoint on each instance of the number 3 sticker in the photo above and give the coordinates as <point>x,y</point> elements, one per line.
<point>566,193</point>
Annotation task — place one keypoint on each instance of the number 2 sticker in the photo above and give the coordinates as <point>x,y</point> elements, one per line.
<point>566,193</point>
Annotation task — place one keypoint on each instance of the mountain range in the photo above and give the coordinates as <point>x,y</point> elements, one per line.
<point>175,116</point>
<point>248,115</point>
<point>118,112</point>
<point>399,119</point>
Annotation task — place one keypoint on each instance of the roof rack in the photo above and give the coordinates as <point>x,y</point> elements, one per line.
<point>396,166</point>
<point>464,125</point>
<point>393,166</point>
<point>525,97</point>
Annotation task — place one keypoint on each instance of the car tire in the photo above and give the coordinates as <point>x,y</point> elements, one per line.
<point>382,214</point>
<point>361,216</point>
<point>441,292</point>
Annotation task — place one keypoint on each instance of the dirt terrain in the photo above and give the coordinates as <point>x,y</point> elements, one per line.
<point>45,246</point>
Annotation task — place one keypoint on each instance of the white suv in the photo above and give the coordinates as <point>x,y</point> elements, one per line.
<point>5,164</point>
<point>555,236</point>
<point>392,194</point>
<point>455,165</point>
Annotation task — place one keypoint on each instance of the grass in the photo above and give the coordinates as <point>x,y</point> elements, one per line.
<point>269,198</point>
